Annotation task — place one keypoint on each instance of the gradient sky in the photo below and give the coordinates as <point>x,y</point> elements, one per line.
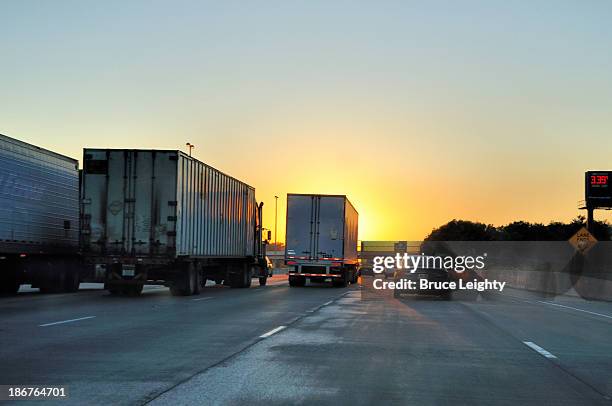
<point>420,112</point>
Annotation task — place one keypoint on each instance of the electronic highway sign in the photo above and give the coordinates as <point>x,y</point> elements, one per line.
<point>598,192</point>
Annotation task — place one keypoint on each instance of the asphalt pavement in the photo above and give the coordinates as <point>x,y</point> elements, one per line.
<point>312,345</point>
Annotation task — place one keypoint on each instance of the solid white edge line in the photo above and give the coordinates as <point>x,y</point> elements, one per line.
<point>328,303</point>
<point>65,321</point>
<point>202,298</point>
<point>539,349</point>
<point>273,331</point>
<point>575,308</point>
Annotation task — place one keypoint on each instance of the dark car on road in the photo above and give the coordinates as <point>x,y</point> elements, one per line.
<point>365,270</point>
<point>389,273</point>
<point>429,274</point>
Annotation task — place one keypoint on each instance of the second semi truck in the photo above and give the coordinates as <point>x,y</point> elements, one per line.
<point>163,217</point>
<point>321,239</point>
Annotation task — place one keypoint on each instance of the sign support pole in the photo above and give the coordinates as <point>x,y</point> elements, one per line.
<point>590,218</point>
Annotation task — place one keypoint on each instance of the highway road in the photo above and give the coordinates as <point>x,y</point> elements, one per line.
<point>312,345</point>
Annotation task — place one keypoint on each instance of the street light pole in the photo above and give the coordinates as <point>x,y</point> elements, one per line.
<point>275,220</point>
<point>190,146</point>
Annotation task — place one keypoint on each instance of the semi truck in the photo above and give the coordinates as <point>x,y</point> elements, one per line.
<point>321,239</point>
<point>161,217</point>
<point>39,218</point>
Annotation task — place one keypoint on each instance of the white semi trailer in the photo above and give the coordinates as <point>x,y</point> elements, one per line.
<point>39,218</point>
<point>163,217</point>
<point>321,239</point>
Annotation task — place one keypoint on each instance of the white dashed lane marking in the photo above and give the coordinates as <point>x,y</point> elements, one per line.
<point>273,331</point>
<point>539,349</point>
<point>66,321</point>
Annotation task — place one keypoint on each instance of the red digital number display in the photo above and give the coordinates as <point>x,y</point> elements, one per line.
<point>599,180</point>
<point>598,191</point>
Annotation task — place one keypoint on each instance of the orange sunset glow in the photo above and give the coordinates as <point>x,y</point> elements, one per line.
<point>497,125</point>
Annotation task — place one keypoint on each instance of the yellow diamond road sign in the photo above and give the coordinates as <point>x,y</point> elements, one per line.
<point>583,240</point>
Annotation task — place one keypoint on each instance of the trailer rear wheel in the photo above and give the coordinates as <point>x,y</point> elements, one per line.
<point>184,285</point>
<point>9,283</point>
<point>72,282</point>
<point>235,280</point>
<point>115,290</point>
<point>9,288</point>
<point>248,277</point>
<point>177,291</point>
<point>132,290</point>
<point>198,282</point>
<point>297,281</point>
<point>340,282</point>
<point>54,279</point>
<point>240,276</point>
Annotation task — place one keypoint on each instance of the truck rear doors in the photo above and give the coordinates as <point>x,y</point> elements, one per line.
<point>315,227</point>
<point>129,202</point>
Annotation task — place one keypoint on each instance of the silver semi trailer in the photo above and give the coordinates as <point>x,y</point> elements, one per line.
<point>321,239</point>
<point>39,218</point>
<point>162,217</point>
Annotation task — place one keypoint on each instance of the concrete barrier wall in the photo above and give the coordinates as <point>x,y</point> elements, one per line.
<point>552,268</point>
<point>554,283</point>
